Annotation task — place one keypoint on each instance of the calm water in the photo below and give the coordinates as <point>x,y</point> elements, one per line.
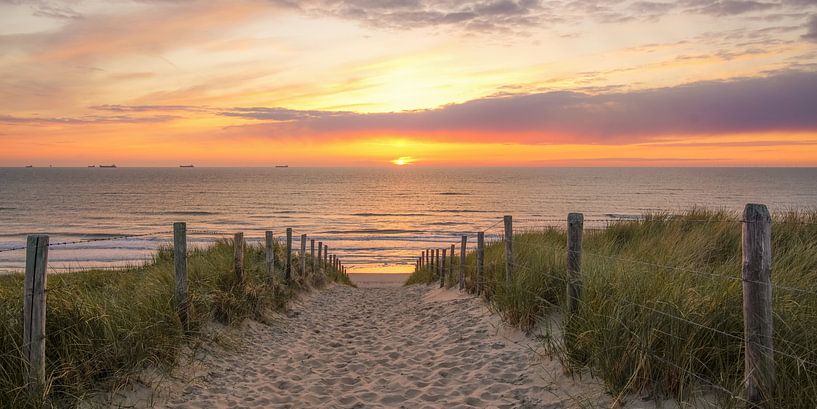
<point>374,219</point>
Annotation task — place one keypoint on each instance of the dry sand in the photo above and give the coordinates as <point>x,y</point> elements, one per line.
<point>410,347</point>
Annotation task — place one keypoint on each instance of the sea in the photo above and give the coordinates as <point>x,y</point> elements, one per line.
<point>374,219</point>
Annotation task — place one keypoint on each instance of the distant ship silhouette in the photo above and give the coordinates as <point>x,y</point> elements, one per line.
<point>186,166</point>
<point>107,166</point>
<point>281,166</point>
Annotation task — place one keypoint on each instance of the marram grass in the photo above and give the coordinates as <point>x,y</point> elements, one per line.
<point>661,306</point>
<point>105,326</point>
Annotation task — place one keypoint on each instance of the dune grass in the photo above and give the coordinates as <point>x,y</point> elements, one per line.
<point>105,326</point>
<point>661,307</point>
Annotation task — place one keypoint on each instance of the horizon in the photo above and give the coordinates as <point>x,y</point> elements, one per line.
<point>351,83</point>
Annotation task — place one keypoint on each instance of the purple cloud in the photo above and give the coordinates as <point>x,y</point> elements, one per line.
<point>782,102</point>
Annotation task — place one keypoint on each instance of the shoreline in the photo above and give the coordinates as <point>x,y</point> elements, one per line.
<point>379,280</point>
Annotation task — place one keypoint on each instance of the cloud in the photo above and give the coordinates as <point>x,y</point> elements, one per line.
<point>477,15</point>
<point>730,7</point>
<point>84,120</point>
<point>148,108</point>
<point>783,102</point>
<point>811,34</point>
<point>280,114</point>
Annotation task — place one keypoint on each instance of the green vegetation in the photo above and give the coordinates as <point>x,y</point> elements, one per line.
<point>661,307</point>
<point>105,326</point>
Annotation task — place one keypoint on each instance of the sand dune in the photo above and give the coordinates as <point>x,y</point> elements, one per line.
<point>384,347</point>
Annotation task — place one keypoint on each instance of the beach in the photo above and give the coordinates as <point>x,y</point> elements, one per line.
<point>411,347</point>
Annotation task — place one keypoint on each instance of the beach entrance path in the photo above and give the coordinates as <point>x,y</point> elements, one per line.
<point>409,347</point>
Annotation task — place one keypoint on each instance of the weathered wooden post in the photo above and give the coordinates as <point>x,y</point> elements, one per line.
<point>320,256</point>
<point>288,270</point>
<point>303,256</point>
<point>443,264</point>
<point>422,259</point>
<point>312,256</point>
<point>326,256</point>
<point>439,266</point>
<point>508,248</point>
<point>575,225</point>
<point>238,245</point>
<point>34,292</point>
<point>180,267</point>
<point>429,260</point>
<point>757,305</point>
<point>432,262</point>
<point>462,262</point>
<point>451,265</point>
<point>480,262</point>
<point>269,255</point>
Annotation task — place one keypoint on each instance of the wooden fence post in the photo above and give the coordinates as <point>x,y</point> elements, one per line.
<point>508,248</point>
<point>34,293</point>
<point>757,305</point>
<point>439,267</point>
<point>312,256</point>
<point>451,264</point>
<point>238,243</point>
<point>575,226</point>
<point>429,260</point>
<point>320,256</point>
<point>288,270</point>
<point>444,270</point>
<point>180,267</point>
<point>480,262</point>
<point>462,262</point>
<point>326,256</point>
<point>269,255</point>
<point>303,257</point>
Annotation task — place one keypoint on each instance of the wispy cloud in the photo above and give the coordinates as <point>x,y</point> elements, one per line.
<point>811,29</point>
<point>477,15</point>
<point>84,120</point>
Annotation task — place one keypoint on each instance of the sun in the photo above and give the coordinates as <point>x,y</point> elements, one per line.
<point>402,161</point>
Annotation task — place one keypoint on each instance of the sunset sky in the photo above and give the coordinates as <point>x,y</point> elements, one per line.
<point>415,82</point>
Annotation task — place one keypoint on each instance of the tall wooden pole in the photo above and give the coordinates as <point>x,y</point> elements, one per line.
<point>320,256</point>
<point>451,264</point>
<point>508,220</point>
<point>480,278</point>
<point>462,262</point>
<point>303,257</point>
<point>269,255</point>
<point>312,256</point>
<point>575,225</point>
<point>288,270</point>
<point>444,262</point>
<point>180,267</point>
<point>238,247</point>
<point>34,293</point>
<point>439,266</point>
<point>757,305</point>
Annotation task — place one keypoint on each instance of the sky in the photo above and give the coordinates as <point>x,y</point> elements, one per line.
<point>408,82</point>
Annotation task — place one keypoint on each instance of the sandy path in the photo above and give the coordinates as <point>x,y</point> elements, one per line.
<point>384,347</point>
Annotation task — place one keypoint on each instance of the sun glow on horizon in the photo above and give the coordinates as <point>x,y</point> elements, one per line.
<point>403,161</point>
